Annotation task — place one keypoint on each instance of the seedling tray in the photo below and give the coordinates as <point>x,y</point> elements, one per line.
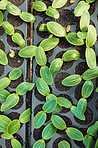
<point>78,67</point>
<point>6,44</point>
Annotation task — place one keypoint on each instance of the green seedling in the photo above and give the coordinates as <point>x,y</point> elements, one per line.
<point>51,10</point>
<point>3,58</point>
<point>3,4</point>
<point>12,100</point>
<point>8,127</point>
<point>63,144</point>
<point>1,17</point>
<point>13,75</point>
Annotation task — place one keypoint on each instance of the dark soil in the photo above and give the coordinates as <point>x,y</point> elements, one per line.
<point>38,108</point>
<point>63,43</point>
<point>78,95</point>
<point>66,65</point>
<point>1,70</point>
<point>17,61</point>
<point>81,68</point>
<point>64,18</point>
<point>92,8</point>
<point>20,103</point>
<point>2,46</point>
<point>1,30</point>
<point>80,143</point>
<point>81,50</point>
<point>9,40</point>
<point>37,134</point>
<point>58,81</point>
<point>68,124</point>
<point>88,115</point>
<point>37,69</point>
<point>15,83</point>
<point>68,3</point>
<point>17,2</point>
<point>49,53</point>
<point>65,110</point>
<point>42,34</point>
<point>96,105</point>
<point>96,82</point>
<point>56,142</point>
<point>16,136</point>
<point>16,21</point>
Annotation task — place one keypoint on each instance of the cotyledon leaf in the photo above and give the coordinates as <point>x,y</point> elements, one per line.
<point>81,106</point>
<point>87,141</point>
<point>46,75</point>
<point>58,3</point>
<point>50,97</point>
<point>24,87</point>
<point>39,119</point>
<point>15,143</point>
<point>3,4</point>
<point>72,80</point>
<point>42,87</point>
<point>93,129</point>
<point>52,12</point>
<point>74,133</point>
<point>58,108</point>
<point>58,122</point>
<point>1,17</point>
<point>27,52</point>
<point>82,35</point>
<point>9,29</point>
<point>3,58</point>
<point>49,131</point>
<point>4,121</point>
<point>63,144</point>
<point>4,94</point>
<point>90,1</point>
<point>39,144</point>
<point>17,38</point>
<point>15,74</point>
<point>14,10</point>
<point>49,43</point>
<point>6,136</point>
<point>39,6</point>
<point>74,110</point>
<point>87,89</point>
<point>64,102</point>
<point>4,82</point>
<point>25,116</point>
<point>27,17</point>
<point>2,129</point>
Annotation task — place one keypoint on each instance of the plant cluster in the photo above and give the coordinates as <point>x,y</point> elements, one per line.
<point>86,35</point>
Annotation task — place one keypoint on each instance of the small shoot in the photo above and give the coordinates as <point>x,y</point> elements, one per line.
<point>11,53</point>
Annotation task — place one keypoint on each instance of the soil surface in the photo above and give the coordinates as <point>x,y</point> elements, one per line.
<point>17,2</point>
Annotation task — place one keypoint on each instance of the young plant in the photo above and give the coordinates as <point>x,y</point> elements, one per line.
<point>51,10</point>
<point>12,99</point>
<point>14,10</point>
<point>9,29</point>
<point>63,144</point>
<point>8,127</point>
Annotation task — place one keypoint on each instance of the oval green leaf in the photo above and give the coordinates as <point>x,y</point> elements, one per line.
<point>2,129</point>
<point>58,3</point>
<point>64,102</point>
<point>74,110</point>
<point>1,17</point>
<point>81,7</point>
<point>39,119</point>
<point>27,52</point>
<point>49,131</point>
<point>73,39</point>
<point>27,17</point>
<point>74,133</point>
<point>93,129</point>
<point>58,108</point>
<point>24,87</point>
<point>11,101</point>
<point>6,136</point>
<point>40,56</point>
<point>71,55</point>
<point>4,121</point>
<point>42,87</point>
<point>87,89</point>
<point>90,58</point>
<point>15,74</point>
<point>17,38</point>
<point>90,74</point>
<point>9,29</point>
<point>46,75</point>
<point>64,144</point>
<point>72,80</point>
<point>91,36</point>
<point>13,127</point>
<point>3,58</point>
<point>43,27</point>
<point>84,21</point>
<point>14,10</point>
<point>15,143</point>
<point>82,35</point>
<point>56,29</point>
<point>52,12</point>
<point>39,144</point>
<point>4,82</point>
<point>58,122</point>
<point>3,4</point>
<point>55,65</point>
<point>87,141</point>
<point>4,94</point>
<point>25,116</point>
<point>49,43</point>
<point>81,107</point>
<point>39,6</point>
<point>50,106</point>
<point>50,97</point>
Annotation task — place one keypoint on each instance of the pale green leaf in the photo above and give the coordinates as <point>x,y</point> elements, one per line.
<point>3,58</point>
<point>58,3</point>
